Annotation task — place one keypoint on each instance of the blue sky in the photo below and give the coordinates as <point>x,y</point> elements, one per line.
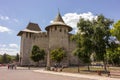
<point>16,14</point>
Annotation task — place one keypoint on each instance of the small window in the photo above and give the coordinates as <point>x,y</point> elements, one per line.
<point>30,35</point>
<point>26,34</point>
<point>60,30</point>
<point>55,28</point>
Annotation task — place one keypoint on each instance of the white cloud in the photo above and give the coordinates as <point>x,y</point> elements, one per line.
<point>72,19</point>
<point>4,17</point>
<point>2,45</point>
<point>7,18</point>
<point>11,49</point>
<point>4,29</point>
<point>51,21</point>
<point>13,45</point>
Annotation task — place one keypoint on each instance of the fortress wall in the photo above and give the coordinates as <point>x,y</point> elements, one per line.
<point>26,42</point>
<point>72,47</point>
<point>41,40</point>
<point>55,39</point>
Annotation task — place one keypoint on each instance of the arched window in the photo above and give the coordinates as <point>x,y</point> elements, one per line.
<point>55,28</point>
<point>26,34</point>
<point>60,30</point>
<point>30,35</point>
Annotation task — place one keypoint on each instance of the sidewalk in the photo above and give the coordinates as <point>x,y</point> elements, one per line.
<point>94,77</point>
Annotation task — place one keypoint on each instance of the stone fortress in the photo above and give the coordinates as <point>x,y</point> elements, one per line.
<point>56,36</point>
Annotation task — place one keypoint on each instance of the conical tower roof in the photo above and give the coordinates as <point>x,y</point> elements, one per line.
<point>58,21</point>
<point>58,18</point>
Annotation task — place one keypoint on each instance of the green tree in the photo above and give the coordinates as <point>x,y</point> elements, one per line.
<point>93,38</point>
<point>86,32</point>
<point>116,30</point>
<point>17,57</point>
<point>6,58</point>
<point>113,54</point>
<point>0,58</point>
<point>37,54</point>
<point>83,40</point>
<point>101,37</point>
<point>77,52</point>
<point>113,57</point>
<point>57,55</point>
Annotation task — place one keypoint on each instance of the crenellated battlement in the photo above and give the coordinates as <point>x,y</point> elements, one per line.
<point>40,35</point>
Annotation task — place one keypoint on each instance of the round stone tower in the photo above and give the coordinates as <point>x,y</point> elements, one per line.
<point>58,33</point>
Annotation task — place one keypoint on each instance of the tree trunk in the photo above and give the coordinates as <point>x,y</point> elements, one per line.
<point>105,66</point>
<point>88,67</point>
<point>78,65</point>
<point>78,68</point>
<point>112,63</point>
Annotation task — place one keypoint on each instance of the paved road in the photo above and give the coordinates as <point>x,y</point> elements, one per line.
<point>25,74</point>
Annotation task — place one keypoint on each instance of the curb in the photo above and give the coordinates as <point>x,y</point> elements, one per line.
<point>77,75</point>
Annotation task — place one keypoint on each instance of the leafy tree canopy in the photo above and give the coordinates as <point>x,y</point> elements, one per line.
<point>116,30</point>
<point>57,54</point>
<point>17,57</point>
<point>93,37</point>
<point>5,58</point>
<point>37,54</point>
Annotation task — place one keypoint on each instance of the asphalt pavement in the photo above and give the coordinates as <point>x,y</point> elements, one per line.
<point>26,74</point>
